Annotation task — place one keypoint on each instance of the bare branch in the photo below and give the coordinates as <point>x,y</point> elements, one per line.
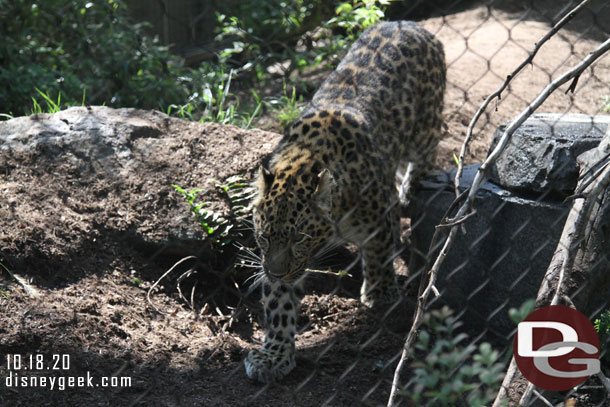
<point>544,400</point>
<point>598,188</point>
<point>466,206</point>
<point>452,223</point>
<point>515,124</point>
<point>571,238</point>
<point>161,278</point>
<point>592,174</point>
<point>605,381</point>
<point>497,94</point>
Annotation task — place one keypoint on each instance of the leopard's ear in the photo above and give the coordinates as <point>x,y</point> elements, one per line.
<point>323,194</point>
<point>265,179</point>
<point>262,184</point>
<point>268,177</point>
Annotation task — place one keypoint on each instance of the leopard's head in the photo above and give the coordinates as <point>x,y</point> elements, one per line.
<point>292,216</point>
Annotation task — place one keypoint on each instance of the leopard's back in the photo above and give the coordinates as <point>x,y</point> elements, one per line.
<point>394,75</point>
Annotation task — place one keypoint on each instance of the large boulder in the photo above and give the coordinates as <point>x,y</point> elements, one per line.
<point>541,156</point>
<point>86,178</point>
<point>501,254</point>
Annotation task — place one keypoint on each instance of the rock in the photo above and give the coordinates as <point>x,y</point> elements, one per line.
<point>500,258</point>
<point>541,157</point>
<point>82,176</point>
<point>501,255</point>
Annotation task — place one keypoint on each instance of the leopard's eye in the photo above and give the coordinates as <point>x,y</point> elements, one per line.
<point>299,237</point>
<point>263,240</point>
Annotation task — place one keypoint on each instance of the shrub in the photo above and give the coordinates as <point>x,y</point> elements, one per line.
<point>259,35</point>
<point>76,46</point>
<point>222,230</point>
<point>450,373</point>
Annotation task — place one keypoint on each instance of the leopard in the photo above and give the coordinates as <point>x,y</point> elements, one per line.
<point>340,175</point>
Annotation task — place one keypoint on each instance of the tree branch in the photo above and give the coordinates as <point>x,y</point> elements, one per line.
<point>509,78</point>
<point>573,234</point>
<point>466,206</point>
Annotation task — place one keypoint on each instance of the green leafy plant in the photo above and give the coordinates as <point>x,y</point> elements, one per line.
<point>212,223</point>
<point>292,34</point>
<point>239,194</point>
<point>222,230</point>
<point>526,308</point>
<point>72,47</point>
<point>259,34</point>
<point>357,15</point>
<point>248,117</point>
<point>215,99</point>
<point>287,108</point>
<point>52,106</point>
<point>349,21</point>
<point>182,111</point>
<point>450,373</point>
<point>68,47</point>
<point>602,326</point>
<point>216,103</point>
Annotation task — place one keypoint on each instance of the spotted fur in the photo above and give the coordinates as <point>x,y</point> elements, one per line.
<point>332,178</point>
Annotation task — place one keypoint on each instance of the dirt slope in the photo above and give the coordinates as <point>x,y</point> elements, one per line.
<point>92,287</point>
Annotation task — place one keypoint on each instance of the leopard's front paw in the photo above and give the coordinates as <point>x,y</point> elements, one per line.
<point>267,366</point>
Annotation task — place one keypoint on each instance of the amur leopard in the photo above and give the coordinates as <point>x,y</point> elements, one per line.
<point>332,178</point>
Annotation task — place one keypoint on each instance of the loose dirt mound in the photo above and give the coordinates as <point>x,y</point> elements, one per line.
<point>84,179</point>
<point>92,245</point>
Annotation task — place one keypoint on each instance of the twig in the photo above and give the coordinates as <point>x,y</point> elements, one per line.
<point>605,381</point>
<point>511,373</point>
<point>179,281</point>
<point>591,175</point>
<point>515,124</point>
<point>509,78</point>
<point>193,296</point>
<point>573,197</point>
<point>29,290</point>
<point>340,273</point>
<point>574,233</point>
<point>161,278</point>
<point>580,225</point>
<point>235,311</point>
<point>543,399</point>
<point>458,221</point>
<point>476,184</point>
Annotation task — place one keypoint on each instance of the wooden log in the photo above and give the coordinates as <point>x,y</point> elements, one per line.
<point>579,272</point>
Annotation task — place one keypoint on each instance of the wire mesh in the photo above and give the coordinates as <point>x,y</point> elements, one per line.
<point>347,354</point>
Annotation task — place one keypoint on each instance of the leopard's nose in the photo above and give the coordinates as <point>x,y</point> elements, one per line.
<point>275,265</point>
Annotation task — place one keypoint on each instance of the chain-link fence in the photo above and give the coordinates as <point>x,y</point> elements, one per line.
<point>504,242</point>
<point>527,228</point>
